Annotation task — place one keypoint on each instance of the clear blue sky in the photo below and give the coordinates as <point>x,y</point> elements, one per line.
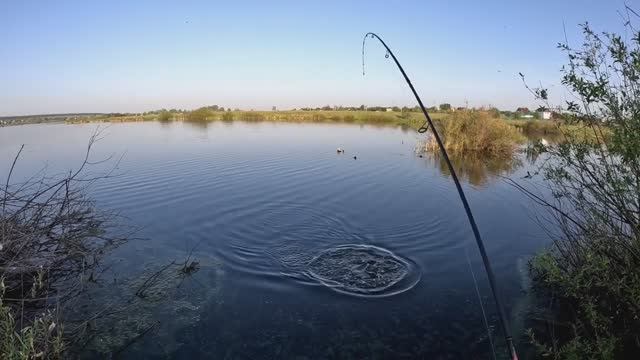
<point>132,56</point>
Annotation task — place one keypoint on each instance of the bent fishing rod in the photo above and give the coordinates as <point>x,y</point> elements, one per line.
<point>483,253</point>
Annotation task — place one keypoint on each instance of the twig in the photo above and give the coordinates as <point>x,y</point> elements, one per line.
<point>6,191</point>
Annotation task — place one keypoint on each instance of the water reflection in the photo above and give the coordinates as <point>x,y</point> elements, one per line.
<point>476,169</point>
<point>202,125</point>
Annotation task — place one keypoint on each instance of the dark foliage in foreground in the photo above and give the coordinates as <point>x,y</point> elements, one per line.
<point>52,239</point>
<point>591,274</point>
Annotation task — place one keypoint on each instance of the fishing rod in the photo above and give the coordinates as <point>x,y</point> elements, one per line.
<point>483,253</point>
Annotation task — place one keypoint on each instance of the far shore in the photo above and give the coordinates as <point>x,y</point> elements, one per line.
<point>409,119</point>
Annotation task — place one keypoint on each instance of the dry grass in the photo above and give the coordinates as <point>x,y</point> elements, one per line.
<point>476,132</point>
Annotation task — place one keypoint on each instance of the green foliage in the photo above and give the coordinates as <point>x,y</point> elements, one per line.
<point>599,299</point>
<point>592,270</point>
<point>445,107</point>
<point>42,339</point>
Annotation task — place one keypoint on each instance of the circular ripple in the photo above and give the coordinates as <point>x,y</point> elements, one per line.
<point>363,270</point>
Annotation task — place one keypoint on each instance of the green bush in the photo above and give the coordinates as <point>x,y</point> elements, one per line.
<point>599,300</point>
<point>592,271</point>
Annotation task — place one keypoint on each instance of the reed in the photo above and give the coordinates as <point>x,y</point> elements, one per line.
<point>476,132</point>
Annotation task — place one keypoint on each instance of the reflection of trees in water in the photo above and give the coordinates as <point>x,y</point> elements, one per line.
<point>553,138</point>
<point>198,124</point>
<point>475,169</point>
<point>537,146</point>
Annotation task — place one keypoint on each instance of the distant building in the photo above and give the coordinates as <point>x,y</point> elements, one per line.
<point>522,110</point>
<point>546,115</point>
<point>389,109</point>
<point>527,116</point>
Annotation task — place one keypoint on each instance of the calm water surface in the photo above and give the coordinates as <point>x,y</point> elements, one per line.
<point>255,203</point>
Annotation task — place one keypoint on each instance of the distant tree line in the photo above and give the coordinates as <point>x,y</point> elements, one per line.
<point>184,111</point>
<point>202,111</point>
<point>362,108</point>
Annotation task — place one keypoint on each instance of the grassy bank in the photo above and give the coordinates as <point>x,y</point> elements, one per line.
<point>560,131</point>
<point>411,119</point>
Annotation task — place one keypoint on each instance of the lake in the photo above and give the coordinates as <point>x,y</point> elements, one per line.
<point>258,205</point>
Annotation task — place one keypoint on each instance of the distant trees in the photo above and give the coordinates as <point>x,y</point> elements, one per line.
<point>207,111</point>
<point>361,108</point>
<point>445,107</point>
<point>377,108</point>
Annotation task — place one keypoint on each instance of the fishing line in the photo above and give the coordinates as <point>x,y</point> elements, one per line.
<point>484,313</point>
<point>485,259</point>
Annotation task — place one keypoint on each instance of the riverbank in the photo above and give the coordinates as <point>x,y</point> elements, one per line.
<point>46,118</point>
<point>409,119</point>
<point>500,127</point>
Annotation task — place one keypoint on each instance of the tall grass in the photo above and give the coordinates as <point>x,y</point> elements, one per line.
<point>198,115</point>
<point>40,339</point>
<point>561,131</point>
<point>476,132</point>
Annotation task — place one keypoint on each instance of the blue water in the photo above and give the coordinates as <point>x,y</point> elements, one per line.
<point>254,203</point>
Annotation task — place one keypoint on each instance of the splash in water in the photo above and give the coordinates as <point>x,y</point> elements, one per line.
<point>363,270</point>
